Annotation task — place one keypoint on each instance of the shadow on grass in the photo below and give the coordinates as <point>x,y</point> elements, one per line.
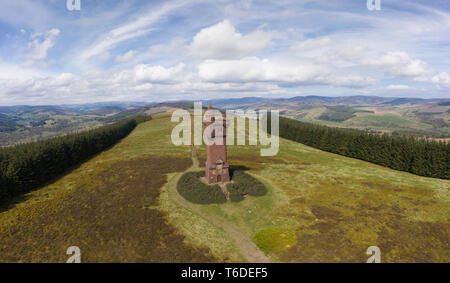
<point>235,168</point>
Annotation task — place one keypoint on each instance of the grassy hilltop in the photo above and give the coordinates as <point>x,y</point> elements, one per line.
<point>122,206</point>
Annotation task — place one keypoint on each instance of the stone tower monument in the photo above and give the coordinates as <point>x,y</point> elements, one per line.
<point>217,168</point>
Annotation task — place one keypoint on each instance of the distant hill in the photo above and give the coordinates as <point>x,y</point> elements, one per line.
<point>404,116</point>
<point>337,100</point>
<point>236,102</point>
<point>7,124</point>
<point>25,123</point>
<point>325,100</point>
<point>399,116</point>
<point>177,104</point>
<point>400,101</point>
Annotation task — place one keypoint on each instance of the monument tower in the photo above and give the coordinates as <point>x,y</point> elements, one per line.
<point>217,168</point>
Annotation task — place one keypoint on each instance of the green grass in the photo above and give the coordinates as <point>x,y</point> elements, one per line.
<point>338,207</point>
<point>275,239</point>
<point>386,119</point>
<point>318,207</point>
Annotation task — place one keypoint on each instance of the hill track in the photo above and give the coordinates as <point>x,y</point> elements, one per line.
<point>246,246</point>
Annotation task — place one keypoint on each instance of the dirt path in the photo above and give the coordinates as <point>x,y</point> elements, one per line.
<point>248,249</point>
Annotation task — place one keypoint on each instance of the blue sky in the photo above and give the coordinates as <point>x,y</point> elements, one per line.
<point>191,49</point>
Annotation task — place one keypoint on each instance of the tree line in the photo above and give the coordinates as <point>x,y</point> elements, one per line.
<point>26,166</point>
<point>419,156</point>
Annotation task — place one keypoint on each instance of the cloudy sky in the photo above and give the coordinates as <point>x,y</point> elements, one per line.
<point>137,50</point>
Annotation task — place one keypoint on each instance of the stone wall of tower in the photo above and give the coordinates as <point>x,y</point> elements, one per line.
<point>217,168</point>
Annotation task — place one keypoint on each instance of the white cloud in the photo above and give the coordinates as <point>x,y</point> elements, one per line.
<point>130,30</point>
<point>352,81</point>
<point>16,72</point>
<point>399,87</point>
<point>253,69</point>
<point>398,64</point>
<point>40,45</point>
<point>63,79</point>
<point>441,79</point>
<point>148,73</point>
<point>222,41</point>
<point>95,86</point>
<point>350,49</point>
<point>342,53</point>
<point>144,87</point>
<point>394,64</point>
<point>126,57</point>
<point>311,44</point>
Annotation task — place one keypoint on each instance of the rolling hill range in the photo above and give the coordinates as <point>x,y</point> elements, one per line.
<point>19,124</point>
<point>398,116</point>
<point>122,206</point>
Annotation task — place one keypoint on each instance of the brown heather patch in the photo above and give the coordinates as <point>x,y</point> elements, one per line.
<point>368,184</point>
<point>298,200</point>
<point>390,212</point>
<point>111,220</point>
<point>370,207</point>
<point>336,237</point>
<point>405,241</point>
<point>291,171</point>
<point>325,213</point>
<point>389,187</point>
<point>423,203</point>
<point>324,227</point>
